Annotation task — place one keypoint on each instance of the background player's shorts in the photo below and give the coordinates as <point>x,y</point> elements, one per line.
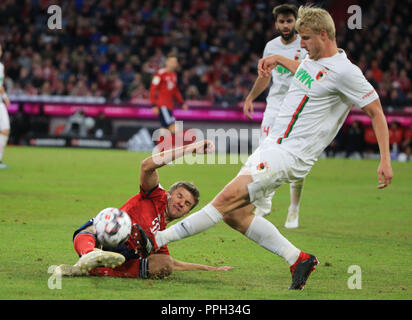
<point>166,117</point>
<point>269,116</point>
<point>271,166</point>
<point>4,117</point>
<point>136,268</point>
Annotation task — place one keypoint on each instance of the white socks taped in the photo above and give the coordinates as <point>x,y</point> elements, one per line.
<point>3,143</point>
<point>267,235</point>
<point>260,231</point>
<point>197,222</point>
<point>296,189</point>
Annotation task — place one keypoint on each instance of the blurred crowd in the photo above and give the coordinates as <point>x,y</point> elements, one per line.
<point>113,48</point>
<point>359,141</point>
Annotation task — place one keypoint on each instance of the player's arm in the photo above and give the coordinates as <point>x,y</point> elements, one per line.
<point>186,266</point>
<point>4,96</point>
<point>380,127</point>
<point>258,87</point>
<point>266,65</point>
<point>149,177</point>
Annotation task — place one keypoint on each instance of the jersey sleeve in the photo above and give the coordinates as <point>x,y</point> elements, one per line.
<point>266,51</point>
<point>356,88</point>
<point>156,193</point>
<point>1,74</point>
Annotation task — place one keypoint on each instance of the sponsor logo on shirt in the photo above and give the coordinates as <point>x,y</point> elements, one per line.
<point>282,70</point>
<point>304,77</point>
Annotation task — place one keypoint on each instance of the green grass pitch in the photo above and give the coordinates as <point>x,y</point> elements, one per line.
<point>47,193</point>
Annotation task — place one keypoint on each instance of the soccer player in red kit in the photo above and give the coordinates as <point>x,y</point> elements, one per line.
<point>164,91</point>
<point>150,210</point>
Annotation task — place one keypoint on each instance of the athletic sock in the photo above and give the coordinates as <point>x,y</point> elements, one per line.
<point>267,235</point>
<point>296,189</point>
<point>197,222</point>
<point>84,243</point>
<point>3,143</point>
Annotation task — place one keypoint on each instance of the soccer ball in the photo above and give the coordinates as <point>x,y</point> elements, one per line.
<point>113,227</point>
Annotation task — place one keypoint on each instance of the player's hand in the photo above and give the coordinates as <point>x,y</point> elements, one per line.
<point>155,111</point>
<point>6,101</point>
<point>385,174</point>
<point>266,65</point>
<point>204,147</point>
<point>185,106</point>
<point>224,268</point>
<point>248,108</point>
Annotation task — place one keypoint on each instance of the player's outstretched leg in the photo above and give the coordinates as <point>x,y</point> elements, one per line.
<point>91,260</point>
<point>99,258</point>
<point>67,270</point>
<point>4,136</point>
<point>302,269</point>
<point>292,220</point>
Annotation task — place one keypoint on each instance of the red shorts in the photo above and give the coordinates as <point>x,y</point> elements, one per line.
<point>136,268</point>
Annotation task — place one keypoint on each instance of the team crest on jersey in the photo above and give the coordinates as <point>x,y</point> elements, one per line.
<point>262,166</point>
<point>297,55</point>
<point>322,73</point>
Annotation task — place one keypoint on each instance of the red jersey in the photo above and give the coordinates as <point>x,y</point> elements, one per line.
<point>395,136</point>
<point>164,90</point>
<point>147,209</point>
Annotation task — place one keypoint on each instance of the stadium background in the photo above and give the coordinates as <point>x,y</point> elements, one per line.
<point>49,192</point>
<point>103,59</point>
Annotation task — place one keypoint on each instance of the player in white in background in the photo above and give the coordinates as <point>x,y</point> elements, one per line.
<point>287,45</point>
<point>4,116</point>
<point>325,86</point>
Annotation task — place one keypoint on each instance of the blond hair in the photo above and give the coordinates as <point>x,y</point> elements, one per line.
<point>315,19</point>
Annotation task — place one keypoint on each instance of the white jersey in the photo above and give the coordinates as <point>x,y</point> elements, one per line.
<point>281,77</point>
<point>320,97</point>
<point>4,116</point>
<point>1,74</point>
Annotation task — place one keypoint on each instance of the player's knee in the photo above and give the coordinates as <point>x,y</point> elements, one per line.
<point>232,221</point>
<point>160,266</point>
<point>239,219</point>
<point>225,198</point>
<point>167,265</point>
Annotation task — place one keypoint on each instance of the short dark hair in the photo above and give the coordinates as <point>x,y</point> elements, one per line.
<point>189,187</point>
<point>285,9</point>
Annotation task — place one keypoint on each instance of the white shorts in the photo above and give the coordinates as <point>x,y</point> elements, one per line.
<point>270,167</point>
<point>4,117</point>
<point>269,117</point>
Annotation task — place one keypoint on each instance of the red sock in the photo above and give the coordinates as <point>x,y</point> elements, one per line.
<point>84,243</point>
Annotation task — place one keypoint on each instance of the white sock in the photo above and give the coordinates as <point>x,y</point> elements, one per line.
<point>197,222</point>
<point>267,235</point>
<point>296,189</point>
<point>3,143</point>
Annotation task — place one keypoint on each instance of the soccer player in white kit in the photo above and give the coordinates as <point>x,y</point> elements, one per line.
<point>4,116</point>
<point>324,88</point>
<point>287,45</point>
